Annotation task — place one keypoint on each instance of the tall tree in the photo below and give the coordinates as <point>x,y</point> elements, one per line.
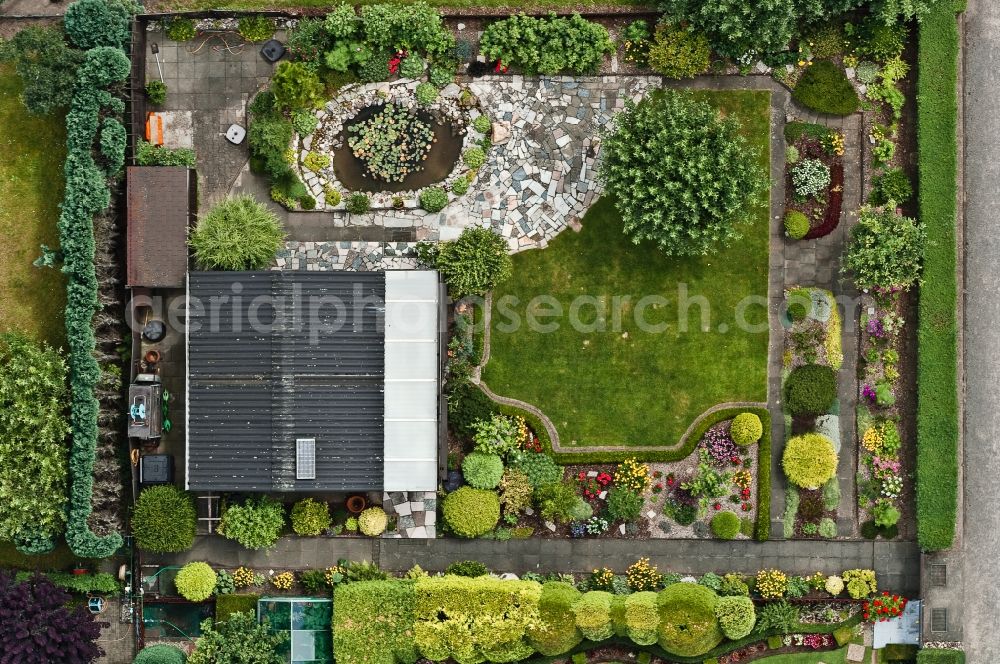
<point>46,66</point>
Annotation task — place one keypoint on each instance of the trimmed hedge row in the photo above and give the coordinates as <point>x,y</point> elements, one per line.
<point>940,656</point>
<point>228,604</point>
<point>87,194</point>
<point>101,582</point>
<point>937,359</point>
<point>762,531</point>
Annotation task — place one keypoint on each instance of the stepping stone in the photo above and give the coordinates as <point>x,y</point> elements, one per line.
<point>855,653</point>
<point>402,509</point>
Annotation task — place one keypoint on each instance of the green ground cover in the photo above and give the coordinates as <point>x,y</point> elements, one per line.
<point>625,385</point>
<point>827,657</point>
<point>31,183</point>
<point>533,7</point>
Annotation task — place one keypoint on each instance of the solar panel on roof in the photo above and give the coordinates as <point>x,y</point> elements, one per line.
<point>305,459</point>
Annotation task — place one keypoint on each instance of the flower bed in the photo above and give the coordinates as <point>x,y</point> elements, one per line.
<point>814,175</point>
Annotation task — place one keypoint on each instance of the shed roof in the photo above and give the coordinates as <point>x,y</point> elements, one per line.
<point>159,211</point>
<point>274,357</point>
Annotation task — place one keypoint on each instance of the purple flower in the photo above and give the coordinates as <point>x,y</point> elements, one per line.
<point>719,445</point>
<point>876,329</point>
<point>868,392</point>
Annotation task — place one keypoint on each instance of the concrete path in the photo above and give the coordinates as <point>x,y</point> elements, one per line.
<point>981,118</point>
<point>896,563</point>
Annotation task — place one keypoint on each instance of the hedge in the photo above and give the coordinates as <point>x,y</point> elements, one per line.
<point>937,358</point>
<point>558,631</point>
<point>101,582</point>
<point>373,622</point>
<point>86,194</point>
<point>228,604</point>
<point>940,656</point>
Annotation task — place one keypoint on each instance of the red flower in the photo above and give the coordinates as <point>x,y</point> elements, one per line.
<point>717,506</point>
<point>582,474</point>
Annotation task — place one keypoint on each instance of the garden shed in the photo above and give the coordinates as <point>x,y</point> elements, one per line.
<point>160,204</point>
<point>314,381</point>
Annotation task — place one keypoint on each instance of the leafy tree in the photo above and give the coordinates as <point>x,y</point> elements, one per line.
<point>885,250</point>
<point>239,233</point>
<point>737,28</point>
<point>33,430</point>
<point>37,626</point>
<point>164,519</point>
<point>238,640</point>
<point>680,175</point>
<point>93,23</point>
<point>45,65</point>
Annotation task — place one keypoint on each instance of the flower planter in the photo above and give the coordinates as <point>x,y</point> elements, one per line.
<point>356,504</point>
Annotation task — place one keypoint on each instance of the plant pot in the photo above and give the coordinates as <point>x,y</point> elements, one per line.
<point>453,481</point>
<point>79,571</point>
<point>356,504</point>
<point>152,356</point>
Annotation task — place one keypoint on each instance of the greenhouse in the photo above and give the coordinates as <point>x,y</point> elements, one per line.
<point>306,620</point>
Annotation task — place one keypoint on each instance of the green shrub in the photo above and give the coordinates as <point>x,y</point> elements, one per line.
<point>843,636</point>
<point>796,224</point>
<point>940,656</point>
<point>688,626</point>
<point>310,517</point>
<point>474,158</point>
<point>239,639</point>
<point>810,177</point>
<point>881,40</point>
<point>413,27</point>
<point>373,521</point>
<point>469,568</point>
<point>725,525</point>
<point>375,69</point>
<point>547,45</point>
<point>160,653</point>
<point>593,615</point>
<point>824,88</point>
<point>426,94</point>
<point>663,139</point>
<point>433,199</point>
<point>860,583</point>
<point>624,505</point>
<point>460,186</point>
<point>893,185</point>
<point>239,233</point>
<point>384,634</point>
<point>641,617</point>
<point>885,249</point>
<point>471,512</point>
<point>937,361</point>
<point>156,92</point>
<point>780,617</point>
<point>482,124</point>
<point>474,263</point>
<point>228,604</point>
<point>556,632</point>
<point>482,471</point>
<point>93,23</point>
<point>746,429</point>
<point>195,581</point>
<point>443,74</point>
<point>153,155</point>
<point>296,86</point>
<point>558,502</point>
<point>46,66</point>
<point>255,524</point>
<point>736,28</point>
<point>180,29</point>
<point>678,51</point>
<point>164,520</point>
<point>256,28</point>
<point>809,460</point>
<point>827,528</point>
<point>539,467</point>
<point>358,203</point>
<point>504,613</point>
<point>791,157</point>
<point>736,616</point>
<point>811,390</point>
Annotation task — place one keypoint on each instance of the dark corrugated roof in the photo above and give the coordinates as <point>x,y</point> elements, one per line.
<point>159,199</point>
<point>270,364</point>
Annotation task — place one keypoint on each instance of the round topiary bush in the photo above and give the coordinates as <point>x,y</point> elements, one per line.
<point>433,199</point>
<point>195,582</point>
<point>160,653</point>
<point>460,186</point>
<point>688,626</point>
<point>746,429</point>
<point>651,155</point>
<point>642,617</point>
<point>372,521</point>
<point>736,616</point>
<point>471,512</point>
<point>725,525</point>
<point>796,224</point>
<point>474,157</point>
<point>809,460</point>
<point>482,124</point>
<point>165,520</point>
<point>593,615</point>
<point>482,471</point>
<point>824,87</point>
<point>426,94</point>
<point>557,632</point>
<point>240,233</point>
<point>310,517</point>
<point>811,390</point>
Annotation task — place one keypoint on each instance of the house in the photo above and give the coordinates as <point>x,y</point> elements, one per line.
<point>303,381</point>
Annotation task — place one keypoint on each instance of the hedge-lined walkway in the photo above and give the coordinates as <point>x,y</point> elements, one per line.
<point>897,564</point>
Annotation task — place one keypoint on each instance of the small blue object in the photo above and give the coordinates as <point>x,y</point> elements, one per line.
<point>138,411</point>
<point>95,604</point>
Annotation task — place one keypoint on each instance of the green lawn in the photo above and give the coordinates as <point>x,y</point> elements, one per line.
<point>31,185</point>
<point>624,385</point>
<point>828,657</point>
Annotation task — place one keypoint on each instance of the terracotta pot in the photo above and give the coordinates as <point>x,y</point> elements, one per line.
<point>356,504</point>
<point>152,356</point>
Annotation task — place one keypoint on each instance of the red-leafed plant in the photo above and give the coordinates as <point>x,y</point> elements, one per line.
<point>831,217</point>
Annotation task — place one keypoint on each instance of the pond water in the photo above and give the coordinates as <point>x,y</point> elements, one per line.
<point>439,163</point>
